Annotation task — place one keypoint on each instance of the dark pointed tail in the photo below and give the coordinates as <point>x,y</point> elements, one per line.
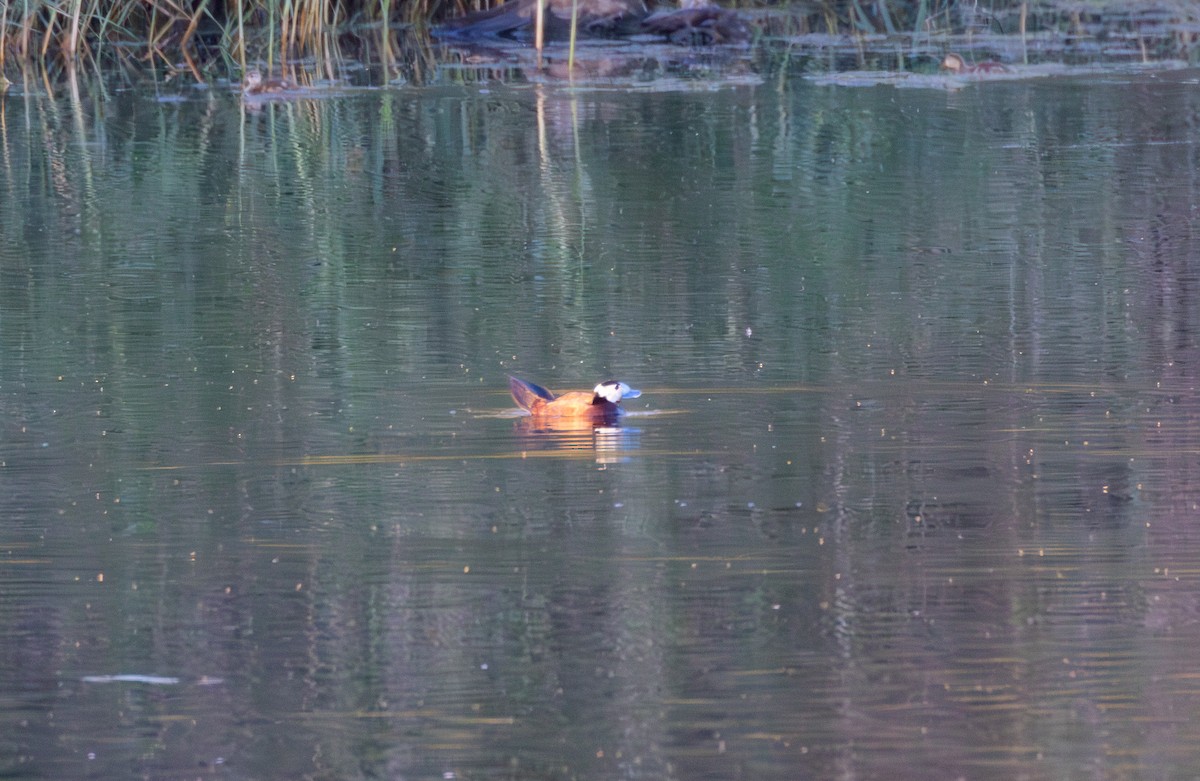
<point>526,393</point>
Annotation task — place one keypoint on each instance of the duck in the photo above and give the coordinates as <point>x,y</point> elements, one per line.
<point>698,23</point>
<point>957,64</point>
<point>515,19</point>
<point>600,406</point>
<point>255,84</point>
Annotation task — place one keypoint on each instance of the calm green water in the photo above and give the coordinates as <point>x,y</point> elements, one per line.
<point>910,492</point>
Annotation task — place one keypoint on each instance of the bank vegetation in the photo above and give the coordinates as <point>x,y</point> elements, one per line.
<point>203,34</point>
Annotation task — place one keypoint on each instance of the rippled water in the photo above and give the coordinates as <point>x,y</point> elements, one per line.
<point>908,494</point>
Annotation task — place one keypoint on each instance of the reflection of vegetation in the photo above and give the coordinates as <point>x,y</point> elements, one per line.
<point>203,33</point>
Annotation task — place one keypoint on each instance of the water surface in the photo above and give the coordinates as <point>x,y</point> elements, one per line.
<point>908,493</point>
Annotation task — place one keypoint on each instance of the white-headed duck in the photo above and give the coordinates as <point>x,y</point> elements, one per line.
<point>516,18</point>
<point>956,64</point>
<point>600,405</point>
<point>698,23</point>
<point>255,84</point>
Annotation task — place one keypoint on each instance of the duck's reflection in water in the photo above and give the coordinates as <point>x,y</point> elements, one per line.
<point>608,442</point>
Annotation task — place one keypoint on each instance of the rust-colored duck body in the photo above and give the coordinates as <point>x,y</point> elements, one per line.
<point>599,406</point>
<point>516,19</point>
<point>955,63</point>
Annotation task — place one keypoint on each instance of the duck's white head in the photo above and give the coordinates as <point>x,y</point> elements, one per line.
<point>613,391</point>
